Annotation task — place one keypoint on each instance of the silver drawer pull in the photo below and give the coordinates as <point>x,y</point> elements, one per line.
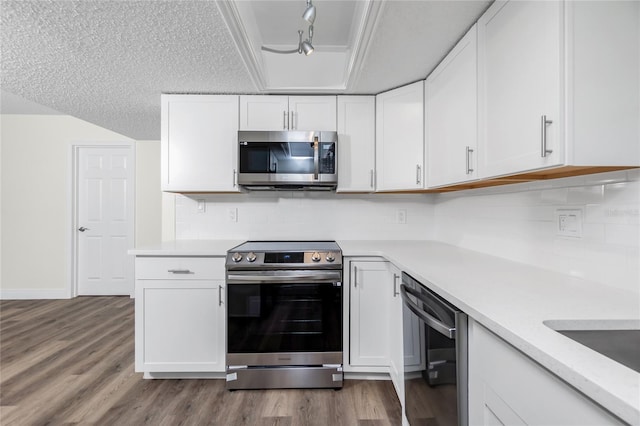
<point>179,271</point>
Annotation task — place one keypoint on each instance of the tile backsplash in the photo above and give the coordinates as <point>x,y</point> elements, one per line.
<point>517,222</point>
<point>304,215</point>
<point>520,222</point>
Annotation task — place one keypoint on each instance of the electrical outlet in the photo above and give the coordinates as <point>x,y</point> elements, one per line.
<point>569,223</point>
<point>202,206</point>
<point>401,216</point>
<point>232,214</point>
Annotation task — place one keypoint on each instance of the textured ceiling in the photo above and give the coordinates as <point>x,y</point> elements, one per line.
<point>107,62</point>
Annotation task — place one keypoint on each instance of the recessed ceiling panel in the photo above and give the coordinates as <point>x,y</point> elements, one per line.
<point>279,21</point>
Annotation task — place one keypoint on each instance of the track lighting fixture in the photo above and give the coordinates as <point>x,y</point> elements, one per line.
<point>305,46</point>
<point>309,14</point>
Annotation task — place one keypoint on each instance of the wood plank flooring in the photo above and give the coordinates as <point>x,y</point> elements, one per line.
<point>71,362</point>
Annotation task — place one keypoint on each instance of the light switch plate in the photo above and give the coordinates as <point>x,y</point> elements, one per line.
<point>569,223</point>
<point>202,206</point>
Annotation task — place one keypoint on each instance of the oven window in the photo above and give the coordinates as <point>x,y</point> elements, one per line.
<point>300,317</point>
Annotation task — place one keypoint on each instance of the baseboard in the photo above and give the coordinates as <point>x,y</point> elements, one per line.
<point>33,293</point>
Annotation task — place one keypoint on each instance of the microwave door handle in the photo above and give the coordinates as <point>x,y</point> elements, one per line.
<point>432,322</point>
<point>316,159</point>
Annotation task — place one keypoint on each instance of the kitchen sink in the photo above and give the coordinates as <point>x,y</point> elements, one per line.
<point>618,340</point>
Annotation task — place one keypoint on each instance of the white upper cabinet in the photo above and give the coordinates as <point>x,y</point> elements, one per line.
<point>287,112</point>
<point>264,112</point>
<point>199,143</point>
<point>558,85</point>
<point>312,113</point>
<point>451,131</point>
<point>356,143</point>
<point>400,138</point>
<point>519,75</point>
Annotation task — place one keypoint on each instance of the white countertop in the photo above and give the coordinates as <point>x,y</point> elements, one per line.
<point>510,299</point>
<point>513,299</point>
<point>187,248</point>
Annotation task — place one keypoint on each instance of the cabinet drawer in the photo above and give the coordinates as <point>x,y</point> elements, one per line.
<point>180,268</point>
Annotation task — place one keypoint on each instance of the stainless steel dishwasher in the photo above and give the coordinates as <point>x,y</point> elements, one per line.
<point>436,390</point>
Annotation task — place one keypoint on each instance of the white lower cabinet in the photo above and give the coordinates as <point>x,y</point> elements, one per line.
<point>506,387</point>
<point>180,314</point>
<point>369,316</point>
<point>396,341</point>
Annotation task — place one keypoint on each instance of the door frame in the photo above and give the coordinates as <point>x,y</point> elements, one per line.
<point>73,196</point>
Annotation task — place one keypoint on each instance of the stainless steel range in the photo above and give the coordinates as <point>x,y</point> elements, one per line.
<point>284,315</point>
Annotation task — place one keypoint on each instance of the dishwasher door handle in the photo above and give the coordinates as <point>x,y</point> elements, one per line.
<point>431,321</point>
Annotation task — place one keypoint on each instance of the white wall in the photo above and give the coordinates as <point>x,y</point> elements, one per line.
<point>35,170</point>
<point>148,193</point>
<point>518,222</point>
<point>303,215</point>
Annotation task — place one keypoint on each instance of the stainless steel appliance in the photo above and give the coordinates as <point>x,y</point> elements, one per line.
<point>436,391</point>
<point>284,315</point>
<point>287,160</point>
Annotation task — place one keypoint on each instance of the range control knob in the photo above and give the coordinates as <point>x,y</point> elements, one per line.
<point>237,257</point>
<point>330,257</point>
<point>315,257</point>
<point>251,257</point>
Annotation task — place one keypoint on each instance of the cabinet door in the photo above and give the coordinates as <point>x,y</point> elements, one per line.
<point>396,334</point>
<point>451,116</point>
<point>180,326</point>
<point>520,77</point>
<point>506,387</point>
<point>400,138</point>
<point>264,112</point>
<point>369,326</point>
<point>312,113</point>
<point>199,143</point>
<point>356,143</point>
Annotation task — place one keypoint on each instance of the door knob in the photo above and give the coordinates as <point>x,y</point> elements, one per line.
<point>82,229</point>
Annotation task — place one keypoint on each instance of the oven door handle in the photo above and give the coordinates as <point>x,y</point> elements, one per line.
<point>281,277</point>
<point>431,321</point>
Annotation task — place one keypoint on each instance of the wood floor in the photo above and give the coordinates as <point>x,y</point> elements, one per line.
<point>71,362</point>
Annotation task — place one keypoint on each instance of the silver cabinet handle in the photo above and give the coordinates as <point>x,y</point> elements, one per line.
<point>292,123</point>
<point>372,179</point>
<point>219,295</point>
<point>395,285</point>
<point>418,174</point>
<point>284,120</point>
<point>316,159</point>
<point>235,178</point>
<point>82,229</point>
<point>355,276</point>
<point>179,271</point>
<point>543,130</point>
<point>469,169</point>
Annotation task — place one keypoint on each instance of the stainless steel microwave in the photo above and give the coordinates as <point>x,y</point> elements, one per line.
<point>287,160</point>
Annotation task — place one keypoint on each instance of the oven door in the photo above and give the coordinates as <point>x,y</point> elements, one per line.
<point>284,318</point>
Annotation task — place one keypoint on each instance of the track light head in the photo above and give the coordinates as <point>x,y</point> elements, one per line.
<point>307,48</point>
<point>309,14</point>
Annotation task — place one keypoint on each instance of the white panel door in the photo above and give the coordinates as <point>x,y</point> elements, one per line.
<point>105,220</point>
<point>313,113</point>
<point>356,143</point>
<point>370,313</point>
<point>199,143</point>
<point>451,130</point>
<point>264,112</point>
<point>400,138</point>
<point>520,74</point>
